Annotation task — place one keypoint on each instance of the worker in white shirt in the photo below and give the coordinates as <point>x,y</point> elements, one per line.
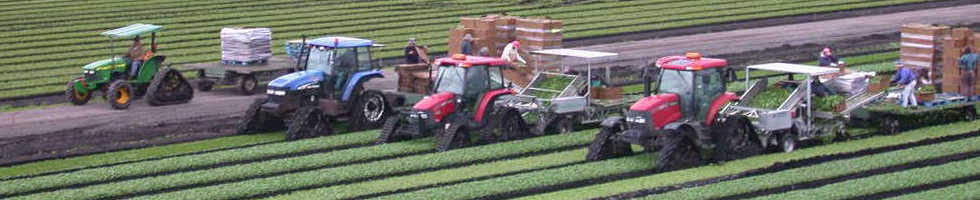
<point>510,52</point>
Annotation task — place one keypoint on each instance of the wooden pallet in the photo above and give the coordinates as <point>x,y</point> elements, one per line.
<point>238,62</point>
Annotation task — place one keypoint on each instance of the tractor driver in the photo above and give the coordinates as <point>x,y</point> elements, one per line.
<point>136,56</point>
<point>343,66</point>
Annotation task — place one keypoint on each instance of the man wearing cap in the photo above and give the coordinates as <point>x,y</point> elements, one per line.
<point>827,58</point>
<point>411,52</point>
<point>905,76</point>
<point>968,71</point>
<point>510,52</point>
<point>467,44</point>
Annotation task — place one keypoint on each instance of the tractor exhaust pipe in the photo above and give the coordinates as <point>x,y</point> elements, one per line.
<point>646,80</point>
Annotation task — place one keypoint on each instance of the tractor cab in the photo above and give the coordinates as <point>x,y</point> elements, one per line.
<point>120,67</point>
<point>695,81</point>
<point>464,80</point>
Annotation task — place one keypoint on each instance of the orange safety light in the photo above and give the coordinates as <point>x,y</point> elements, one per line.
<point>459,56</point>
<point>693,55</point>
<point>465,65</point>
<point>695,67</point>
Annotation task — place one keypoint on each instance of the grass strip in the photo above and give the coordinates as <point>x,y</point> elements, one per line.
<point>886,182</point>
<point>743,165</point>
<point>526,181</point>
<point>964,191</point>
<point>136,154</point>
<point>822,171</point>
<point>327,176</point>
<point>98,175</point>
<point>439,177</point>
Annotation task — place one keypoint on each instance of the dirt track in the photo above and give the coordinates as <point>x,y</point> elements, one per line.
<point>69,130</point>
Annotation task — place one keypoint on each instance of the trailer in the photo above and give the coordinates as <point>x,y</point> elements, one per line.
<point>795,119</point>
<point>245,76</point>
<point>556,102</point>
<point>895,119</point>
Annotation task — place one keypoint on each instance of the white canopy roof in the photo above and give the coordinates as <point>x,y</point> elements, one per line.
<point>795,68</point>
<point>575,53</point>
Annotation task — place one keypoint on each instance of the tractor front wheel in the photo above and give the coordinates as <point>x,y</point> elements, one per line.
<point>120,94</point>
<point>505,124</point>
<point>75,97</point>
<point>256,121</point>
<point>605,147</point>
<point>369,112</point>
<point>389,131</point>
<point>677,151</point>
<point>168,87</point>
<point>456,136</point>
<point>308,122</point>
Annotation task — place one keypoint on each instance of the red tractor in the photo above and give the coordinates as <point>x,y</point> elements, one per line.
<point>685,115</point>
<point>465,92</point>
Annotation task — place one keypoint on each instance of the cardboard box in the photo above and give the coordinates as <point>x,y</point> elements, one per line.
<point>932,42</point>
<point>921,51</point>
<point>924,29</point>
<point>962,33</point>
<point>468,22</point>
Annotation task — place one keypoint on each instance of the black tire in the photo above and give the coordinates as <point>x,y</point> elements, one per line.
<point>841,134</point>
<point>168,87</point>
<point>456,136</point>
<point>735,138</point>
<point>970,113</point>
<point>562,125</point>
<point>787,141</point>
<point>369,111</point>
<point>120,94</point>
<point>677,151</point>
<point>389,131</point>
<point>505,124</point>
<point>203,84</point>
<point>256,121</point>
<point>308,122</point>
<point>247,84</point>
<point>604,147</point>
<point>892,125</point>
<point>74,96</point>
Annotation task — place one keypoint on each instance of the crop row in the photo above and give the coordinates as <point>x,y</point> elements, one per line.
<point>176,164</point>
<point>132,12</point>
<point>333,175</point>
<point>757,162</point>
<point>887,182</point>
<point>134,155</point>
<point>964,191</point>
<point>823,171</point>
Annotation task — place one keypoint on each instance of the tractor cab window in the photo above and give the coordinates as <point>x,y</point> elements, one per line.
<point>675,81</point>
<point>321,58</point>
<point>477,81</point>
<point>496,77</point>
<point>709,87</point>
<point>363,58</point>
<point>450,79</point>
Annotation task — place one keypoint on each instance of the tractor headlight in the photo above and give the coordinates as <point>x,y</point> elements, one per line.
<point>636,119</point>
<point>420,115</point>
<point>88,71</point>
<point>275,92</point>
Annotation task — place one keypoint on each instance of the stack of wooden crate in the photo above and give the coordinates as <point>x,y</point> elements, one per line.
<point>953,48</point>
<point>494,32</point>
<point>921,47</point>
<point>539,34</point>
<point>413,78</point>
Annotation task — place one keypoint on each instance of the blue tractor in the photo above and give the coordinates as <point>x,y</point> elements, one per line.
<point>327,87</point>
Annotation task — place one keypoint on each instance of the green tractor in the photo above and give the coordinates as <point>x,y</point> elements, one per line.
<point>122,79</point>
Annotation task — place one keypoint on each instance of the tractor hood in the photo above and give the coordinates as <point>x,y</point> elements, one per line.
<point>432,102</point>
<point>294,80</point>
<point>102,63</point>
<point>654,102</point>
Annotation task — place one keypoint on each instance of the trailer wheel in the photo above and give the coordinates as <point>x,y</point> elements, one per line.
<point>247,84</point>
<point>120,94</point>
<point>256,121</point>
<point>369,111</point>
<point>735,138</point>
<point>456,136</point>
<point>505,124</point>
<point>308,122</point>
<point>564,125</point>
<point>677,151</point>
<point>970,113</point>
<point>389,131</point>
<point>787,140</point>
<point>604,147</point>
<point>892,125</point>
<point>75,97</point>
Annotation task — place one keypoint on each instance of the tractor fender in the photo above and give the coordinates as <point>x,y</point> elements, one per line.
<point>79,85</point>
<point>613,122</point>
<point>487,100</point>
<point>717,104</point>
<point>357,79</point>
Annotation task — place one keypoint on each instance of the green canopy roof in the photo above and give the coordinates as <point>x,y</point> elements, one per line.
<point>132,30</point>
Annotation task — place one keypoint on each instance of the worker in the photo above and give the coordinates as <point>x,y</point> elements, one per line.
<point>905,77</point>
<point>135,56</point>
<point>467,44</point>
<point>510,52</point>
<point>827,58</point>
<point>411,52</point>
<point>968,67</point>
<point>485,52</point>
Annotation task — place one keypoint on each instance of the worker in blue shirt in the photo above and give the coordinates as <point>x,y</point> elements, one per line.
<point>968,72</point>
<point>905,77</point>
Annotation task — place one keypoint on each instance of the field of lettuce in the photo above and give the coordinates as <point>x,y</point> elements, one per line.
<point>44,44</point>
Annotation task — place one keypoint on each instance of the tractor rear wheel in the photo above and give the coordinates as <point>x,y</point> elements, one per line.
<point>389,131</point>
<point>677,151</point>
<point>308,122</point>
<point>168,87</point>
<point>735,138</point>
<point>456,136</point>
<point>247,84</point>
<point>256,121</point>
<point>505,124</point>
<point>369,111</point>
<point>120,94</point>
<point>604,147</point>
<point>76,97</point>
<point>563,125</point>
